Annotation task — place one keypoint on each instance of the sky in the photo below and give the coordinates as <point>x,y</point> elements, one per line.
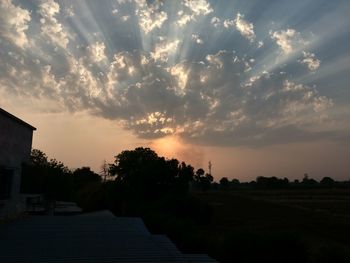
<point>259,88</point>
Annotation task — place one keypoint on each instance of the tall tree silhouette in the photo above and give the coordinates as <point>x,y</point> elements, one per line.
<point>143,172</point>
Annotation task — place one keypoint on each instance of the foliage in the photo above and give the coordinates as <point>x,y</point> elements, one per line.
<point>84,176</point>
<point>271,183</point>
<point>203,181</point>
<point>274,183</point>
<point>327,182</point>
<point>224,183</point>
<point>53,179</point>
<point>147,175</point>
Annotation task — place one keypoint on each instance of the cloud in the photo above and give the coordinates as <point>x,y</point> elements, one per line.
<point>125,18</point>
<point>50,26</point>
<point>197,39</point>
<point>216,59</point>
<point>238,115</point>
<point>194,10</point>
<point>80,85</point>
<point>199,7</point>
<point>150,16</point>
<point>288,40</point>
<point>180,72</point>
<point>310,60</point>
<point>309,100</point>
<point>158,81</point>
<point>215,21</point>
<point>228,23</point>
<point>204,103</point>
<point>183,18</point>
<point>163,49</point>
<point>121,2</point>
<point>13,23</point>
<point>245,28</point>
<point>97,51</point>
<point>68,11</point>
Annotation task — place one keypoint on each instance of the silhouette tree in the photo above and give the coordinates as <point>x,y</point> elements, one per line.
<point>133,167</point>
<point>235,183</point>
<point>146,174</point>
<point>209,178</point>
<point>84,176</point>
<point>38,158</point>
<point>327,182</point>
<point>271,182</point>
<point>224,183</point>
<point>199,175</point>
<point>51,178</point>
<point>202,180</point>
<point>308,182</point>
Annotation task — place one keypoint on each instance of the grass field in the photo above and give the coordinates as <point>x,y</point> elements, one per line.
<point>332,201</point>
<point>273,226</point>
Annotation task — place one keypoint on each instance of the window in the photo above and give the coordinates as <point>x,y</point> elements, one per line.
<point>6,176</point>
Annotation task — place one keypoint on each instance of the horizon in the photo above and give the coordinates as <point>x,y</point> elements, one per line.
<point>258,89</point>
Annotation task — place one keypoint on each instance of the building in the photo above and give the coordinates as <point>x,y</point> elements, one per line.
<point>15,146</point>
<point>92,237</point>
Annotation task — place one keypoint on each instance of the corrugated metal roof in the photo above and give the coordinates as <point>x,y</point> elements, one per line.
<point>95,237</point>
<point>203,258</point>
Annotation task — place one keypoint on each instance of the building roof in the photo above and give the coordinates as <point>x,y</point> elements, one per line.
<point>95,237</point>
<point>18,120</point>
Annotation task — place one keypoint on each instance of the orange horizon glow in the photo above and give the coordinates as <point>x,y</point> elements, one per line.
<point>168,146</point>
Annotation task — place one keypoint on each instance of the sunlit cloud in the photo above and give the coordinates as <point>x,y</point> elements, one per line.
<point>228,23</point>
<point>310,60</point>
<point>181,75</point>
<point>192,11</point>
<point>244,27</point>
<point>216,59</point>
<point>196,38</point>
<point>160,68</point>
<point>288,40</point>
<point>50,26</point>
<point>163,49</point>
<point>199,7</point>
<point>215,21</point>
<point>97,51</point>
<point>183,19</point>
<point>149,15</point>
<point>14,22</point>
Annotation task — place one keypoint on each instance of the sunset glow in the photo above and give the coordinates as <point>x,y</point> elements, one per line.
<point>168,146</point>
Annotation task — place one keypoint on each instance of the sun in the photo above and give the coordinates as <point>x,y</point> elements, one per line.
<point>169,146</point>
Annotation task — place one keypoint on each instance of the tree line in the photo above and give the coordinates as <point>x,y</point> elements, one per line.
<point>141,172</point>
<point>266,183</point>
<point>135,180</point>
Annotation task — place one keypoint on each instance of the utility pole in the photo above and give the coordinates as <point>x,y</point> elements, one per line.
<point>104,170</point>
<point>209,166</point>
